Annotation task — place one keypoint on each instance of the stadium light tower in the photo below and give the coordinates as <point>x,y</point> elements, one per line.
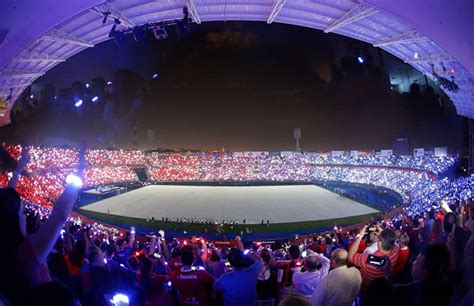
<point>297,136</point>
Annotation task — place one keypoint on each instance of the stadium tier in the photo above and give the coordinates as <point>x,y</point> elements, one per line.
<point>415,179</point>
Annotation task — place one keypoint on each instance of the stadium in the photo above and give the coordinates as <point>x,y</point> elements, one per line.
<point>226,153</point>
<point>183,191</point>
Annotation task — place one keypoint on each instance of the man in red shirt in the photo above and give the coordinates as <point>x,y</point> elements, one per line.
<point>404,254</point>
<point>378,264</point>
<point>194,284</point>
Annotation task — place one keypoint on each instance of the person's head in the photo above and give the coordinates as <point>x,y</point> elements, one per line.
<point>236,258</point>
<point>95,256</point>
<point>294,300</point>
<point>133,263</point>
<point>110,251</point>
<point>79,252</point>
<point>12,216</point>
<point>431,264</point>
<point>404,240</point>
<point>431,214</point>
<point>266,256</point>
<point>187,257</point>
<point>175,252</point>
<point>121,244</point>
<point>373,236</point>
<point>294,252</point>
<point>327,240</point>
<point>147,266</point>
<point>339,258</point>
<point>215,256</point>
<point>311,262</point>
<point>277,246</point>
<point>387,240</point>
<point>437,261</point>
<point>397,234</point>
<point>449,222</point>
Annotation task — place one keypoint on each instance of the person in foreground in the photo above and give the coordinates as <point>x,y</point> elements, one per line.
<point>23,263</point>
<point>341,286</point>
<point>239,286</point>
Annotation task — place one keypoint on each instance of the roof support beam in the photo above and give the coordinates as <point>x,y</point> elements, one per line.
<point>277,6</point>
<point>358,12</point>
<point>36,57</point>
<point>438,57</point>
<point>58,36</point>
<point>109,7</point>
<point>20,74</point>
<point>407,37</point>
<point>193,11</point>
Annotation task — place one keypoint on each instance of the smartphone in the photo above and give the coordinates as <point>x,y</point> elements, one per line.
<point>156,255</point>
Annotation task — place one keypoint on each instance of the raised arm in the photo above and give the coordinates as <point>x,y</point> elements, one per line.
<point>45,238</point>
<point>21,165</point>
<point>240,245</point>
<point>205,251</point>
<point>151,251</point>
<point>355,244</point>
<point>131,238</point>
<point>325,263</point>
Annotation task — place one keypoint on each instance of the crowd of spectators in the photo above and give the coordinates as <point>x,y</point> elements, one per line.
<point>434,164</point>
<point>422,256</point>
<point>413,260</point>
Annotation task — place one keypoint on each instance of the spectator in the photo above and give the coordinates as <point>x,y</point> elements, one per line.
<point>306,282</point>
<point>266,281</point>
<point>215,265</point>
<point>404,254</point>
<point>286,268</point>
<point>194,285</point>
<point>373,239</point>
<point>432,287</point>
<point>23,262</point>
<point>340,286</point>
<point>239,286</point>
<point>98,280</point>
<point>436,236</point>
<point>379,264</point>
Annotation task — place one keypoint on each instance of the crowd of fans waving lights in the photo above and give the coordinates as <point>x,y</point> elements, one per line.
<point>422,256</point>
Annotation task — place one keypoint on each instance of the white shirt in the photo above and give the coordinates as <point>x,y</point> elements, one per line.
<point>306,282</point>
<point>371,249</point>
<point>339,288</point>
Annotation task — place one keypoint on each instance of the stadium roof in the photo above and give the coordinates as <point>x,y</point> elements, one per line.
<point>35,36</point>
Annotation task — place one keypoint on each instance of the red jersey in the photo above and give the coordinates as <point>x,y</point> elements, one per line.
<point>288,267</point>
<point>370,272</point>
<point>194,285</point>
<point>402,260</point>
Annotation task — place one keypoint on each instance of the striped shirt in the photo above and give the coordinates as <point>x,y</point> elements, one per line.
<point>371,272</point>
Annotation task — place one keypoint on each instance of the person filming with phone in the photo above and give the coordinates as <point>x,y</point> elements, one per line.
<point>379,264</point>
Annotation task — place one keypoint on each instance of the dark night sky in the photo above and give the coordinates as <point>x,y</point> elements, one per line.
<point>245,86</point>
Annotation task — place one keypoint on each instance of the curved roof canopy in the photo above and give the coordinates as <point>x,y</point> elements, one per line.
<point>37,35</point>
